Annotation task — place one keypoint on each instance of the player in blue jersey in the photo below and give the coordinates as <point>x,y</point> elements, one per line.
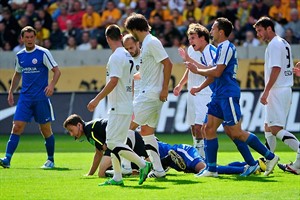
<point>32,64</point>
<point>95,133</point>
<point>224,107</point>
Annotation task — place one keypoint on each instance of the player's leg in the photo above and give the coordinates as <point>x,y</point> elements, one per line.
<point>22,115</point>
<point>12,143</point>
<point>270,139</point>
<point>44,115</point>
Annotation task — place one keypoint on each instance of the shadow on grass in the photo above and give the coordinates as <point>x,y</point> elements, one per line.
<point>259,178</point>
<point>60,169</point>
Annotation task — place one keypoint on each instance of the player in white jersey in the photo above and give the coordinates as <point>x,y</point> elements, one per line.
<point>155,72</point>
<point>131,44</point>
<point>196,104</point>
<point>118,88</point>
<point>277,94</point>
<point>32,65</point>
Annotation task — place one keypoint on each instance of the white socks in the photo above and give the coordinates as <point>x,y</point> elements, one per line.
<point>154,156</point>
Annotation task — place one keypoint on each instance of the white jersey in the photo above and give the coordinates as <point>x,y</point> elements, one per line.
<point>120,64</point>
<point>278,54</point>
<point>196,79</point>
<point>151,70</point>
<point>136,68</point>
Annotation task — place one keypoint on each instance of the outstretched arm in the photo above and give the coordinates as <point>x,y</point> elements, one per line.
<point>96,161</point>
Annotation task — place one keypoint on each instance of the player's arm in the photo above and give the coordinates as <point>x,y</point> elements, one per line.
<point>214,72</point>
<point>96,161</point>
<point>203,85</point>
<point>167,75</point>
<point>50,88</point>
<point>181,83</point>
<point>273,77</point>
<point>14,84</point>
<point>111,84</point>
<point>185,56</point>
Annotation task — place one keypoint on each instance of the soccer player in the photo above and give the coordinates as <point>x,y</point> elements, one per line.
<point>155,72</point>
<point>277,94</point>
<point>200,51</point>
<point>224,106</point>
<point>118,88</point>
<point>32,65</point>
<point>95,133</point>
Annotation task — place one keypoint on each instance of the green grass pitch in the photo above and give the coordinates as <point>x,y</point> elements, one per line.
<point>25,180</point>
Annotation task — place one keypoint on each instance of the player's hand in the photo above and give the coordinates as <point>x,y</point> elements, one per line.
<point>10,99</point>
<point>182,53</point>
<point>92,105</point>
<point>164,95</point>
<point>176,90</point>
<point>264,97</point>
<point>191,66</point>
<point>49,90</point>
<point>296,69</point>
<point>195,90</point>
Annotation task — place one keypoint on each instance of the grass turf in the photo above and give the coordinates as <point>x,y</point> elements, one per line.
<point>26,181</point>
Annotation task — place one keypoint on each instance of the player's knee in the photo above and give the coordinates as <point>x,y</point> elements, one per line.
<point>17,128</point>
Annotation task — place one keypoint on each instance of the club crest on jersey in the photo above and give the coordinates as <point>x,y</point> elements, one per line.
<point>137,67</point>
<point>34,61</point>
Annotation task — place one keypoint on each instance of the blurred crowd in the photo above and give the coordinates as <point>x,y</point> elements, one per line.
<point>80,24</point>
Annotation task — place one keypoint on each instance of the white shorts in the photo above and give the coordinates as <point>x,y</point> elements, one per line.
<point>146,110</point>
<point>277,109</point>
<point>117,129</point>
<point>196,108</point>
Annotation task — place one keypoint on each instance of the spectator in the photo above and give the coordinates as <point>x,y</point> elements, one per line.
<point>31,14</point>
<point>73,31</point>
<point>47,44</point>
<point>123,5</point>
<point>294,24</point>
<point>191,11</point>
<point>77,14</point>
<point>210,12</point>
<point>57,37</point>
<point>176,4</point>
<point>85,41</point>
<point>143,8</point>
<point>91,20</point>
<point>94,44</point>
<point>110,15</point>
<point>170,32</point>
<point>157,26</point>
<point>177,19</point>
<point>160,10</point>
<point>223,11</point>
<point>20,46</point>
<point>6,46</point>
<point>4,34</point>
<point>293,4</point>
<point>41,33</point>
<point>251,40</point>
<point>278,12</point>
<point>63,17</point>
<point>242,24</point>
<point>39,4</point>
<point>127,12</point>
<point>11,26</point>
<point>45,18</point>
<point>71,44</point>
<point>23,21</point>
<point>258,10</point>
<point>290,37</point>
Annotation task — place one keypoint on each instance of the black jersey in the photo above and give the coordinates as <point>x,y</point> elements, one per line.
<point>95,132</point>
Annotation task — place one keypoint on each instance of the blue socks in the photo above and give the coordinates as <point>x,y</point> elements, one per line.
<point>11,146</point>
<point>230,169</point>
<point>245,152</point>
<point>49,143</point>
<point>211,153</point>
<point>255,144</point>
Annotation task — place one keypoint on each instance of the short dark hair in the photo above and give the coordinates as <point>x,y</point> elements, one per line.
<point>196,28</point>
<point>73,120</point>
<point>265,22</point>
<point>137,22</point>
<point>225,25</point>
<point>113,32</point>
<point>28,29</point>
<point>129,37</point>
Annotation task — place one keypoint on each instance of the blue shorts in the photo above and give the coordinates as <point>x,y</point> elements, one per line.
<point>227,109</point>
<point>42,111</point>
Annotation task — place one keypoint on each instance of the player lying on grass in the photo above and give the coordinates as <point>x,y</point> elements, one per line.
<point>95,133</point>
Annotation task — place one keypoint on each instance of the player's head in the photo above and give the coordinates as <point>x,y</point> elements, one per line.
<point>74,125</point>
<point>28,35</point>
<point>221,29</point>
<point>198,36</point>
<point>113,32</point>
<point>136,23</point>
<point>131,44</point>
<point>265,27</point>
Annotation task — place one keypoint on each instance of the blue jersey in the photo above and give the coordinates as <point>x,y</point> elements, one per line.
<point>34,66</point>
<point>226,85</point>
